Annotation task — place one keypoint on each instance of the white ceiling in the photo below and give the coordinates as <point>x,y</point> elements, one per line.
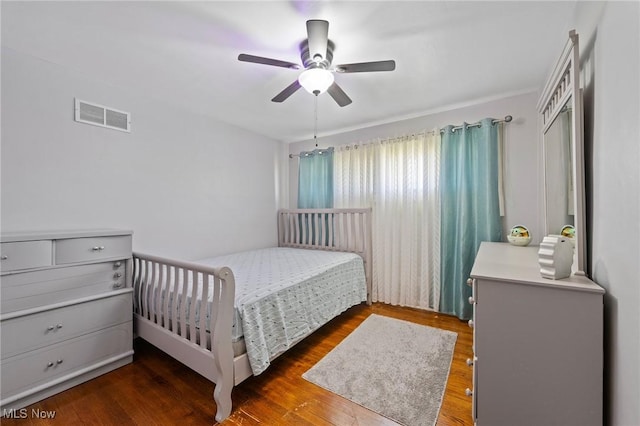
<point>447,53</point>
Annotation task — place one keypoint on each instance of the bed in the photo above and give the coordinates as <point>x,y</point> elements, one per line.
<point>228,317</point>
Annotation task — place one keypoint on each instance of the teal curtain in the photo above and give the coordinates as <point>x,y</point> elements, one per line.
<point>470,211</point>
<point>315,188</point>
<point>315,179</point>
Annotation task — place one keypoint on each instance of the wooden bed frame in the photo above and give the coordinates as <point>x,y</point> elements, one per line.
<point>211,354</point>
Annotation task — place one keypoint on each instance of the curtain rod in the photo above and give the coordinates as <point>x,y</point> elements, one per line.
<point>506,119</point>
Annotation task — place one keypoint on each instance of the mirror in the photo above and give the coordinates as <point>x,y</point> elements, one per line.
<point>558,171</point>
<point>560,107</point>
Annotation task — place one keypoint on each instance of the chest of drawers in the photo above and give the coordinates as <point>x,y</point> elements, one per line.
<point>65,310</point>
<point>538,343</point>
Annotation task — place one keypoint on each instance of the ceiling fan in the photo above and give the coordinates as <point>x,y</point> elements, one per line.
<point>316,53</point>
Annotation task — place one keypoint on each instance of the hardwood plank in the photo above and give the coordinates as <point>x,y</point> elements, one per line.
<point>158,390</point>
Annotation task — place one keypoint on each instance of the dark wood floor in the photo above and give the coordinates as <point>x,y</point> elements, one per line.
<point>157,390</point>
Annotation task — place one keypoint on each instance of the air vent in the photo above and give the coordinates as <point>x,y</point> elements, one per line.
<point>98,115</point>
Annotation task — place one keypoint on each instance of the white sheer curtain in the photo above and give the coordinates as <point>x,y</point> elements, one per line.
<point>399,179</point>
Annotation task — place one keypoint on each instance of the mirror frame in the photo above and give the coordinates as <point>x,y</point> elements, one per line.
<point>563,87</point>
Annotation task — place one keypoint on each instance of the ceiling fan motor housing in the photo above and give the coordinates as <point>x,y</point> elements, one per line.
<point>309,62</point>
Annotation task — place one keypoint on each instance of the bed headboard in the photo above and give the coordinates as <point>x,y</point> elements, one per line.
<point>329,229</point>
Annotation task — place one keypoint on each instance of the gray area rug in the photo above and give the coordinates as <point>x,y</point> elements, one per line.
<point>396,368</point>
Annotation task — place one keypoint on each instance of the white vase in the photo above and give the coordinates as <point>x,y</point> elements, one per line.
<point>555,257</point>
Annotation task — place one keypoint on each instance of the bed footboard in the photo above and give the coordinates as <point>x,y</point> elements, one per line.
<point>193,326</point>
<point>347,230</point>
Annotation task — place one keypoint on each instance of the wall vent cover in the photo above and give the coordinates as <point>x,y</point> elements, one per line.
<point>99,115</point>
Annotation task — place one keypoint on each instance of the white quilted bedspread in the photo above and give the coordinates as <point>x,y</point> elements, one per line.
<point>284,294</point>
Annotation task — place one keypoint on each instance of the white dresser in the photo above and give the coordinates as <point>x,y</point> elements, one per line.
<point>538,343</point>
<point>66,310</point>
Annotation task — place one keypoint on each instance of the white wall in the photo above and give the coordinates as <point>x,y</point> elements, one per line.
<point>523,194</point>
<point>186,184</point>
<point>610,49</point>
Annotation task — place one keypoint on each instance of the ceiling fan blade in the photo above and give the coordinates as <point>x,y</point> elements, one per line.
<point>367,66</point>
<point>288,91</point>
<point>318,37</point>
<point>267,61</point>
<point>338,95</point>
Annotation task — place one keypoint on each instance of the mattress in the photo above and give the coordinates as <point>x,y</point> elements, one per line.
<point>284,294</point>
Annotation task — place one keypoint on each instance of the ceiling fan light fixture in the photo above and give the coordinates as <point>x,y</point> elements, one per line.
<point>316,80</point>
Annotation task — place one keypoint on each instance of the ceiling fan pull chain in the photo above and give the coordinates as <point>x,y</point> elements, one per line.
<point>315,122</point>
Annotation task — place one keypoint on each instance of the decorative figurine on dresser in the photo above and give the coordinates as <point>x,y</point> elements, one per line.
<point>66,310</point>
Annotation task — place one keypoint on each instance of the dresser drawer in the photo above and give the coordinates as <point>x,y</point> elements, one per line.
<point>77,250</point>
<point>23,372</point>
<point>25,255</point>
<point>30,332</point>
<point>26,290</point>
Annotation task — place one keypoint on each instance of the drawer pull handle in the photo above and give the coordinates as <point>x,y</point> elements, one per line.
<point>50,328</point>
<point>469,282</point>
<point>4,257</point>
<point>117,275</point>
<point>117,285</point>
<point>49,364</point>
<point>98,248</point>
<point>59,361</point>
<point>469,362</point>
<point>470,322</point>
<point>471,301</point>
<point>59,326</point>
<point>468,392</point>
<point>117,264</point>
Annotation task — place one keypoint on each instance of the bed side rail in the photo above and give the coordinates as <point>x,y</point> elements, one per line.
<point>329,229</point>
